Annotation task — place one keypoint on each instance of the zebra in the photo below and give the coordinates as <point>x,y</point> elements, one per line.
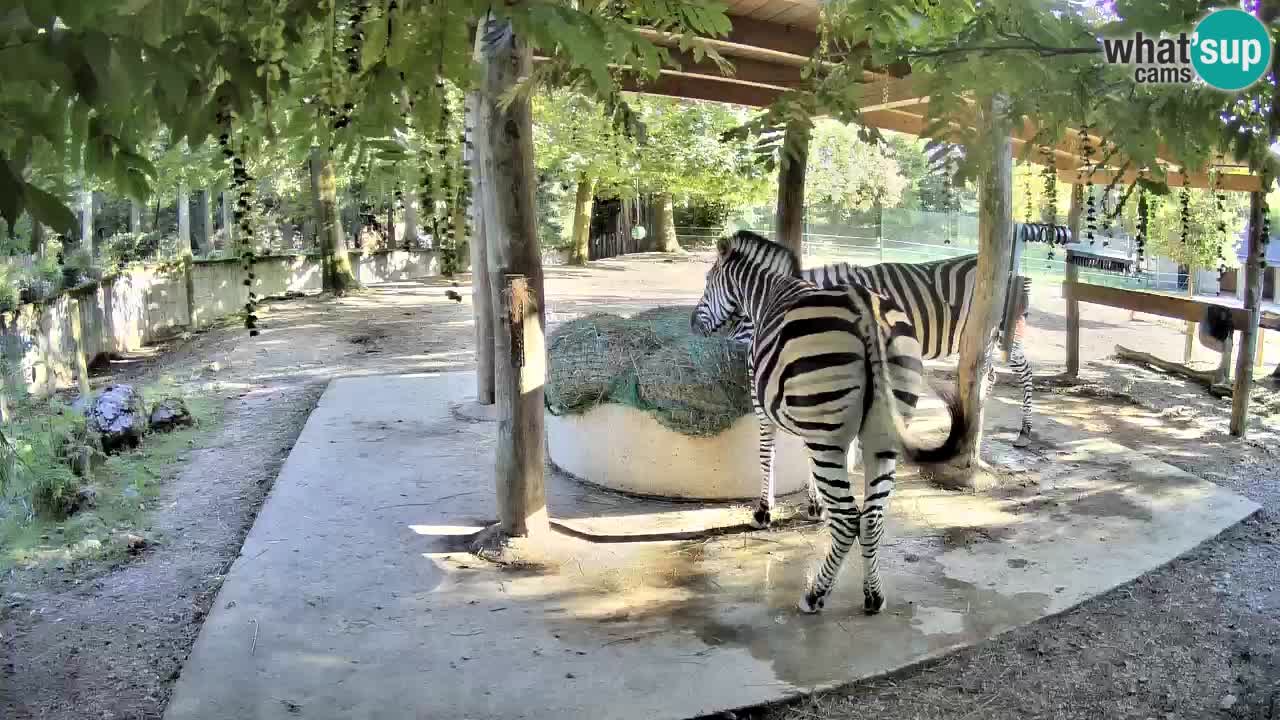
<point>829,366</point>
<point>937,297</point>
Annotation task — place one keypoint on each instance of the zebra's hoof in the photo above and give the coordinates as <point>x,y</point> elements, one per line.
<point>811,603</point>
<point>872,602</point>
<point>761,519</point>
<point>1024,439</point>
<point>814,510</point>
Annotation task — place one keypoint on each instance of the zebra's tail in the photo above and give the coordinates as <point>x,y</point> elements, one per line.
<point>911,446</point>
<point>950,447</point>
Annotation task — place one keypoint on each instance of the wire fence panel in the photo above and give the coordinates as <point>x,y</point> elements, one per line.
<point>915,236</point>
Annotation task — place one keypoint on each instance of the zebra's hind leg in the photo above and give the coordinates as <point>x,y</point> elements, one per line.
<point>829,464</point>
<point>1018,362</point>
<point>763,514</point>
<point>879,468</point>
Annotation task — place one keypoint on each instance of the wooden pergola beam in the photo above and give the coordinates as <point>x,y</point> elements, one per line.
<point>703,87</point>
<point>744,70</point>
<point>890,93</point>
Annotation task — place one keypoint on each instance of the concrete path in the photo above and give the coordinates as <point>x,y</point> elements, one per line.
<point>352,597</point>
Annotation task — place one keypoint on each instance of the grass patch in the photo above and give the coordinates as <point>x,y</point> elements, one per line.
<point>124,486</point>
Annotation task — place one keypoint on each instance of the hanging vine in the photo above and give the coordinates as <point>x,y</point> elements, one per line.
<point>1091,210</point>
<point>1029,215</point>
<point>1220,210</point>
<point>1266,224</point>
<point>1050,185</point>
<point>240,180</point>
<point>1184,199</point>
<point>1144,224</point>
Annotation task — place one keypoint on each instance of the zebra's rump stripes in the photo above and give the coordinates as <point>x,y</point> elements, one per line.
<point>829,366</point>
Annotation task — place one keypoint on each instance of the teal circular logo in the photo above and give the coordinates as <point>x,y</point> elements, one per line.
<point>1231,49</point>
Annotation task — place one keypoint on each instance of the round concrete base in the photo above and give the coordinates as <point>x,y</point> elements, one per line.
<point>622,448</point>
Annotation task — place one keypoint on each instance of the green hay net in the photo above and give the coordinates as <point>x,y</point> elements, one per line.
<point>651,361</point>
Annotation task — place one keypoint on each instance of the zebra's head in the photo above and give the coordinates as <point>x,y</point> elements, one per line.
<point>721,301</point>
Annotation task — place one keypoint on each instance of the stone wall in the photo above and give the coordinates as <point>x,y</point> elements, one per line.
<point>143,305</point>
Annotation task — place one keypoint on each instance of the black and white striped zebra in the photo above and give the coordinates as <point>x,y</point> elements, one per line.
<point>829,366</point>
<point>937,297</point>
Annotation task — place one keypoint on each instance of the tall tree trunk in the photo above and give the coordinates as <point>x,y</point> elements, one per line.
<point>788,226</point>
<point>504,148</point>
<point>389,231</point>
<point>409,237</point>
<point>582,205</point>
<point>356,222</point>
<point>995,244</point>
<point>135,217</point>
<point>228,226</point>
<point>37,238</point>
<point>86,221</point>
<point>184,222</point>
<point>204,206</point>
<point>337,275</point>
<point>664,231</point>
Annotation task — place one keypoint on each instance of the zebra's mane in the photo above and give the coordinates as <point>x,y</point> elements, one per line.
<point>761,250</point>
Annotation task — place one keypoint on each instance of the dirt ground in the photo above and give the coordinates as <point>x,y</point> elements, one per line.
<point>1197,638</point>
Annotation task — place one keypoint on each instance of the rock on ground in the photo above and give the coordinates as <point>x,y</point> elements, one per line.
<point>119,417</point>
<point>170,414</point>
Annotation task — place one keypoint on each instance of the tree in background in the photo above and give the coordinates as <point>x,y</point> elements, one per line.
<point>577,145</point>
<point>847,174</point>
<point>688,155</point>
<point>1201,244</point>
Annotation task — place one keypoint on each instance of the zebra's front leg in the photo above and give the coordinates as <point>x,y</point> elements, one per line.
<point>829,465</point>
<point>879,473</point>
<point>1018,362</point>
<point>763,514</point>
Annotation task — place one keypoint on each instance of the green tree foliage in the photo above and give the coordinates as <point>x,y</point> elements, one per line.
<point>681,149</point>
<point>846,174</point>
<point>1201,243</point>
<point>574,138</point>
<point>1044,57</point>
<point>684,152</point>
<point>91,83</point>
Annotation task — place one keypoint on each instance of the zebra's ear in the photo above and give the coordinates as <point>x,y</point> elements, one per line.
<point>722,246</point>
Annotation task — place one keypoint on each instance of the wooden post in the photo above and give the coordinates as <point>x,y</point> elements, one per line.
<point>504,146</point>
<point>481,294</point>
<point>788,225</point>
<point>1253,304</point>
<point>995,240</point>
<point>1073,277</point>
